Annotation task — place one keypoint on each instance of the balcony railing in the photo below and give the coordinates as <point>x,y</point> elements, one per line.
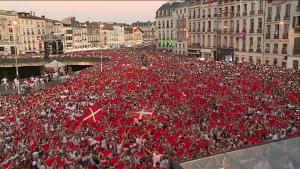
<point>203,16</point>
<point>225,14</point>
<point>260,11</point>
<point>259,30</point>
<point>225,30</point>
<point>215,15</point>
<point>252,12</point>
<point>277,18</point>
<point>275,51</point>
<point>245,13</point>
<point>251,31</point>
<point>258,50</point>
<point>243,49</point>
<point>198,30</point>
<point>285,36</point>
<point>287,18</point>
<point>236,49</point>
<point>198,16</point>
<point>208,15</point>
<point>231,15</point>
<point>297,29</point>
<point>283,51</point>
<point>268,36</point>
<point>276,36</point>
<point>250,50</point>
<point>269,19</point>
<point>208,30</point>
<point>231,30</point>
<point>267,51</point>
<point>238,14</point>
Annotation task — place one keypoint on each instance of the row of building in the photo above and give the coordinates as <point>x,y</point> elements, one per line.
<point>22,32</point>
<point>258,31</point>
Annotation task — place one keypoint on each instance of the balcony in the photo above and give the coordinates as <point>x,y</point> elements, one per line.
<point>251,30</point>
<point>215,30</point>
<point>231,30</point>
<point>237,31</point>
<point>260,11</point>
<point>244,30</point>
<point>251,49</point>
<point>190,17</point>
<point>243,49</point>
<point>208,30</point>
<point>268,36</point>
<point>286,18</point>
<point>203,30</point>
<point>225,30</point>
<point>259,30</point>
<point>276,36</point>
<point>198,16</point>
<point>193,30</point>
<point>238,14</point>
<point>267,51</point>
<point>236,49</point>
<point>258,49</point>
<point>252,13</point>
<point>285,36</point>
<point>194,17</point>
<point>269,19</point>
<point>225,14</point>
<point>297,29</point>
<point>203,16</point>
<point>198,30</point>
<point>245,13</point>
<point>275,51</point>
<point>283,51</point>
<point>215,15</point>
<point>208,15</point>
<point>277,18</point>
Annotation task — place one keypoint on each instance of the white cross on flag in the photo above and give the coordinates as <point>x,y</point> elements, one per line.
<point>93,114</point>
<point>142,114</point>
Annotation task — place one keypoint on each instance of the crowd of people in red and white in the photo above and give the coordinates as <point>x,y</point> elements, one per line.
<point>146,107</point>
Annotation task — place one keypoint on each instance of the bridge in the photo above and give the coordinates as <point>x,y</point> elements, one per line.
<point>25,62</point>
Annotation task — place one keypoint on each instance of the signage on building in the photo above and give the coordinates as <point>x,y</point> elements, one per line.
<point>165,43</point>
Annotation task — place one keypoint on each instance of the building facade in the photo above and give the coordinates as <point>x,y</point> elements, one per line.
<point>165,25</point>
<point>148,29</point>
<point>9,33</point>
<point>133,36</point>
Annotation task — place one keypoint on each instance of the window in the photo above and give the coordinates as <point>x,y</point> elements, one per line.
<point>285,28</point>
<point>278,9</point>
<point>276,29</point>
<point>10,30</point>
<point>258,61</point>
<point>260,4</point>
<point>268,29</point>
<point>237,24</point>
<point>287,10</point>
<point>267,48</point>
<point>245,9</point>
<point>244,23</point>
<point>295,64</point>
<point>1,48</point>
<point>267,62</point>
<point>275,61</point>
<point>259,23</point>
<point>252,24</point>
<point>258,42</point>
<point>275,49</point>
<point>252,6</point>
<point>11,38</point>
<point>269,12</point>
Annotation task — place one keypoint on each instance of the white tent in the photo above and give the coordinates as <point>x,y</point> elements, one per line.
<point>55,65</point>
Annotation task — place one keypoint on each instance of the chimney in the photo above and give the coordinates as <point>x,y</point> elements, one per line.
<point>43,16</point>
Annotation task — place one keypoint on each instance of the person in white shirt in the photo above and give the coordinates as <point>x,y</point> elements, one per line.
<point>156,158</point>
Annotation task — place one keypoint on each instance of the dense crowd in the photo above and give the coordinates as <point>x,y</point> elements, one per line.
<point>146,107</point>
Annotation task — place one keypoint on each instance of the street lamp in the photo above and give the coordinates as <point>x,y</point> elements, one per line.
<point>15,24</point>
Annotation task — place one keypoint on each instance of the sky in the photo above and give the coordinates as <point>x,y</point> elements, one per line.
<point>116,11</point>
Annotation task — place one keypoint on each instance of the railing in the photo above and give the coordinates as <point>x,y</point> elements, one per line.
<point>251,31</point>
<point>259,30</point>
<point>287,18</point>
<point>258,50</point>
<point>276,36</point>
<point>238,14</point>
<point>245,13</point>
<point>260,11</point>
<point>268,36</point>
<point>269,19</point>
<point>277,18</point>
<point>203,16</point>
<point>252,12</point>
<point>285,36</point>
<point>283,51</point>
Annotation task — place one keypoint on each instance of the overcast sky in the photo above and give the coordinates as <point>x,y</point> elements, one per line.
<point>117,11</point>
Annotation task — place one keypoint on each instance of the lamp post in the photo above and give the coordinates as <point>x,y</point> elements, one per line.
<point>15,24</point>
<point>133,29</point>
<point>101,66</point>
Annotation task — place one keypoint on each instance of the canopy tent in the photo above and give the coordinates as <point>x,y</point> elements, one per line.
<point>55,65</point>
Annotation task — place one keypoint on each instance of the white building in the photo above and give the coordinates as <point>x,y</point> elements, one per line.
<point>165,25</point>
<point>9,32</point>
